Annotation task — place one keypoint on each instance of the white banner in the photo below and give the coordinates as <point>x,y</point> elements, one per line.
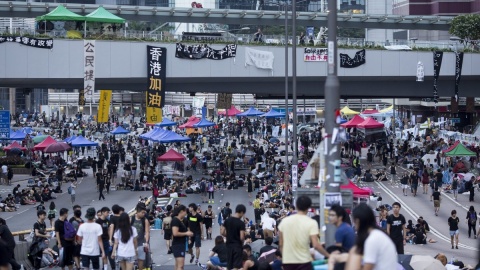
<point>315,54</point>
<point>197,102</point>
<point>89,69</point>
<point>260,59</point>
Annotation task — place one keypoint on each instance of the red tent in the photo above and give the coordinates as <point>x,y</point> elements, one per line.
<point>171,155</point>
<point>15,144</point>
<point>370,123</point>
<point>370,111</point>
<point>450,148</point>
<point>353,122</point>
<point>41,146</point>
<point>357,192</point>
<point>190,122</point>
<point>230,112</point>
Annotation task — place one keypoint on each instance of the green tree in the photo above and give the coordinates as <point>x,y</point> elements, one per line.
<point>467,28</point>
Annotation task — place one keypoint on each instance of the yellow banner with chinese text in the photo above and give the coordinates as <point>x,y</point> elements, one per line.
<point>104,105</point>
<point>154,114</point>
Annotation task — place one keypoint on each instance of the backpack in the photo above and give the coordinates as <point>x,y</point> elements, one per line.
<point>69,230</point>
<point>473,218</point>
<point>166,223</point>
<point>69,190</point>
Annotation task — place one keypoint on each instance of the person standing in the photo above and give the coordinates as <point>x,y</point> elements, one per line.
<point>249,187</point>
<point>143,229</point>
<point>125,247</point>
<point>9,176</point>
<point>104,224</point>
<point>414,178</point>
<point>208,218</point>
<point>90,239</point>
<point>76,221</point>
<point>455,186</point>
<point>167,229</point>
<point>101,187</point>
<point>211,191</point>
<point>117,211</point>
<point>51,213</point>
<point>71,191</point>
<point>344,235</point>
<point>233,229</point>
<point>195,224</point>
<point>469,186</point>
<point>453,222</point>
<point>436,196</point>
<point>64,241</point>
<point>396,228</point>
<point>7,237</point>
<point>180,234</point>
<point>404,182</point>
<point>296,233</point>
<point>4,174</point>
<point>472,221</point>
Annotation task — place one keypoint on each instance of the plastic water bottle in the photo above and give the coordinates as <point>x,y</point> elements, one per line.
<point>452,260</point>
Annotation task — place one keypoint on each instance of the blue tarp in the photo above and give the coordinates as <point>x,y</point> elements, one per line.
<point>273,114</point>
<point>172,137</point>
<point>17,135</point>
<point>81,141</point>
<point>69,139</point>
<point>27,130</point>
<point>166,123</point>
<point>119,130</point>
<point>153,133</point>
<point>204,123</point>
<point>250,112</point>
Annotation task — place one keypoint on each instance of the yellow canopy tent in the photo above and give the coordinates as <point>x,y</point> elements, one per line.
<point>348,111</point>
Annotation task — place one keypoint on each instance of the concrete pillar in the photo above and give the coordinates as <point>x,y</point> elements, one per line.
<point>28,102</point>
<point>12,103</point>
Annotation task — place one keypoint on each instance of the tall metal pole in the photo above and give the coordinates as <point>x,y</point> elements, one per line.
<point>332,103</point>
<point>294,97</point>
<point>286,87</point>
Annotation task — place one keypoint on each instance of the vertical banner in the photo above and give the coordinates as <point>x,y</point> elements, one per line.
<point>310,32</point>
<point>5,124</point>
<point>294,177</point>
<point>104,106</point>
<point>453,105</point>
<point>154,115</point>
<point>156,73</point>
<point>437,64</point>
<point>88,71</point>
<point>81,97</point>
<point>224,101</point>
<point>470,106</point>
<point>458,71</point>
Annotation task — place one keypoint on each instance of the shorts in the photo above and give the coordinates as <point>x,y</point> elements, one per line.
<point>235,257</point>
<point>106,247</point>
<point>436,203</point>
<point>216,261</point>
<point>178,251</point>
<point>196,240</point>
<point>453,233</point>
<point>405,186</point>
<point>141,253</point>
<point>86,259</point>
<point>125,259</point>
<point>76,250</point>
<point>414,187</point>
<point>297,266</point>
<point>67,254</point>
<point>167,236</point>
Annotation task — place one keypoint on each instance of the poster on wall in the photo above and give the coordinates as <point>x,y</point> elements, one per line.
<point>315,54</point>
<point>347,62</point>
<point>203,51</point>
<point>156,74</point>
<point>89,70</point>
<point>29,41</point>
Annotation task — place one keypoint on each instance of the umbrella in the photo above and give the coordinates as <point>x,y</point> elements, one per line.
<point>14,151</point>
<point>274,140</point>
<point>39,139</point>
<point>466,176</point>
<point>422,262</point>
<point>404,260</point>
<point>57,147</point>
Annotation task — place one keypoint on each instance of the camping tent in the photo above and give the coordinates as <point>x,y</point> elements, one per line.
<point>81,141</point>
<point>450,148</point>
<point>250,112</point>
<point>152,133</point>
<point>171,155</point>
<point>69,139</point>
<point>370,123</point>
<point>347,111</point>
<point>386,110</point>
<point>357,192</point>
<point>370,111</point>
<point>104,16</point>
<point>166,123</point>
<point>61,13</point>
<point>460,151</point>
<point>190,123</point>
<point>119,130</point>
<point>230,112</point>
<point>204,123</point>
<point>14,145</point>
<point>172,137</point>
<point>353,122</point>
<point>41,146</point>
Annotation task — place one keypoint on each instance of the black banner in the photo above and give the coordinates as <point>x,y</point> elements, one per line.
<point>195,52</point>
<point>81,97</point>
<point>156,74</point>
<point>201,37</point>
<point>29,41</point>
<point>458,71</point>
<point>356,61</point>
<point>437,64</point>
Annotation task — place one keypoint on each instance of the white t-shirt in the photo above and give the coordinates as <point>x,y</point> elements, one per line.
<point>380,251</point>
<point>125,249</point>
<point>90,233</point>
<point>4,169</point>
<point>72,189</point>
<point>268,224</point>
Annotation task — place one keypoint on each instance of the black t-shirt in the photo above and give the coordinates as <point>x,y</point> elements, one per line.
<point>415,179</point>
<point>396,231</point>
<point>104,223</point>
<point>453,223</point>
<point>439,177</point>
<point>234,225</point>
<point>221,251</point>
<point>194,223</point>
<point>7,236</point>
<point>404,180</point>
<point>59,227</point>
<point>208,218</point>
<point>41,227</point>
<point>178,240</point>
<point>436,196</point>
<point>226,212</point>
<point>266,249</point>
<point>114,221</point>
<point>369,157</point>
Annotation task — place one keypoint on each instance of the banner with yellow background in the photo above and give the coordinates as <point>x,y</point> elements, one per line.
<point>154,115</point>
<point>104,105</point>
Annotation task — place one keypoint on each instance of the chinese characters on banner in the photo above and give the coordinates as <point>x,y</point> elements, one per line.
<point>224,101</point>
<point>347,62</point>
<point>104,106</point>
<point>196,52</point>
<point>154,115</point>
<point>315,54</point>
<point>156,73</point>
<point>29,41</point>
<point>89,69</point>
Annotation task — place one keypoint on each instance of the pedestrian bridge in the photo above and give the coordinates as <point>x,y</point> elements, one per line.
<point>122,65</point>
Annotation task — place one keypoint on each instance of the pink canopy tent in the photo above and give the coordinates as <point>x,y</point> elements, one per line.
<point>191,121</point>
<point>230,112</point>
<point>41,146</point>
<point>370,123</point>
<point>16,145</point>
<point>450,148</point>
<point>357,192</point>
<point>353,122</point>
<point>370,111</point>
<point>171,155</point>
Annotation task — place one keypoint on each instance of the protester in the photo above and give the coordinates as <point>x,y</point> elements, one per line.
<point>234,230</point>
<point>90,239</point>
<point>453,222</point>
<point>344,235</point>
<point>396,228</point>
<point>125,247</point>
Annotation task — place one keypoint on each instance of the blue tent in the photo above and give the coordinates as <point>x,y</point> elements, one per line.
<point>69,139</point>
<point>272,114</point>
<point>166,123</point>
<point>27,130</point>
<point>119,130</point>
<point>152,134</point>
<point>81,141</point>
<point>173,137</point>
<point>17,135</point>
<point>204,123</point>
<point>250,112</point>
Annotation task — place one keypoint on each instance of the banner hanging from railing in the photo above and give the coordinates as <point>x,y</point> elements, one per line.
<point>315,54</point>
<point>196,52</point>
<point>29,41</point>
<point>348,62</point>
<point>458,71</point>
<point>437,65</point>
<point>89,70</point>
<point>156,74</point>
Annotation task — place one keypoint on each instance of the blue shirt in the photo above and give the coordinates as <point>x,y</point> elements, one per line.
<point>345,236</point>
<point>277,264</point>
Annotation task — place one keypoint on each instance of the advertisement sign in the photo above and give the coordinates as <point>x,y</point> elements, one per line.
<point>104,106</point>
<point>4,124</point>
